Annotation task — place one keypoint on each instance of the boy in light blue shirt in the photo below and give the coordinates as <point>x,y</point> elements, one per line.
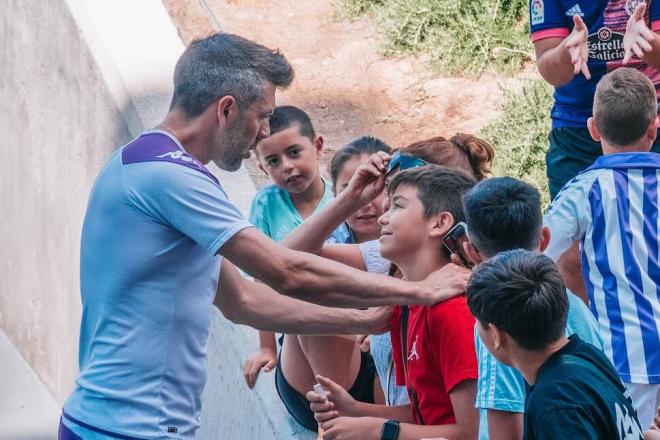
<point>290,158</point>
<point>504,214</point>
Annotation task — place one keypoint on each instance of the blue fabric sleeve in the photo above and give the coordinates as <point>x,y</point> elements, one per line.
<point>185,199</point>
<point>548,14</point>
<point>499,387</point>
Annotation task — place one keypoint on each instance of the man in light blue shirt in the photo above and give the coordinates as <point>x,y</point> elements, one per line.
<point>157,226</point>
<point>503,214</point>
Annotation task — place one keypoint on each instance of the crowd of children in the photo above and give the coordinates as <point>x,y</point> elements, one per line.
<point>518,355</point>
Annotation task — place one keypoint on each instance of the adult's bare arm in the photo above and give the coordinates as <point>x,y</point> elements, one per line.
<point>246,302</point>
<point>559,59</point>
<point>326,282</point>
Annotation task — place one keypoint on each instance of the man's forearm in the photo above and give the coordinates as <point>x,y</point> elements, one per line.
<point>319,280</point>
<point>312,233</point>
<point>257,305</point>
<point>555,66</point>
<point>333,284</point>
<point>399,412</point>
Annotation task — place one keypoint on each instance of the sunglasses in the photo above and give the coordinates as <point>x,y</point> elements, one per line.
<point>403,161</point>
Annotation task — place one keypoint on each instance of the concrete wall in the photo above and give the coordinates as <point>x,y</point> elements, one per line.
<point>79,79</point>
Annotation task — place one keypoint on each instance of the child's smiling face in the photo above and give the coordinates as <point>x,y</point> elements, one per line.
<point>290,159</point>
<point>403,226</point>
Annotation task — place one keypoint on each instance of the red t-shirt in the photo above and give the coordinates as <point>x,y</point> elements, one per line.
<point>441,355</point>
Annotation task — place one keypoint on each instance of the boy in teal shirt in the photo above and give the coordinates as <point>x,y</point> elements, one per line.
<point>290,157</point>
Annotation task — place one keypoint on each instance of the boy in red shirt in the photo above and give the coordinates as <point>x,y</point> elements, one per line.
<point>437,362</point>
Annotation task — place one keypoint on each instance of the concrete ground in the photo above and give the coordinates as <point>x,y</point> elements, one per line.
<point>27,410</point>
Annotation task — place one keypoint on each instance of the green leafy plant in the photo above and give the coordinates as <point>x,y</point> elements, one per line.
<point>520,134</point>
<point>462,37</point>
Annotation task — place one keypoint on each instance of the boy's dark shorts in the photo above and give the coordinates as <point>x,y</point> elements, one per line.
<point>298,405</point>
<point>572,150</point>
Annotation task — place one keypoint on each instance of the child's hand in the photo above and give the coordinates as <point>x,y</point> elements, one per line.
<point>364,341</point>
<point>576,43</point>
<point>265,359</point>
<point>369,179</point>
<point>638,37</point>
<point>337,403</point>
<point>353,428</point>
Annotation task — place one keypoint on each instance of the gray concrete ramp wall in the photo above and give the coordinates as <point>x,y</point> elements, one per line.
<point>78,79</point>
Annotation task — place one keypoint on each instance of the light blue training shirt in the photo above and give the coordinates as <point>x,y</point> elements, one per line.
<point>155,221</point>
<point>501,387</point>
<point>273,213</point>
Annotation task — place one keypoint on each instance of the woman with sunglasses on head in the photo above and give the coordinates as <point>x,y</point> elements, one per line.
<point>463,151</point>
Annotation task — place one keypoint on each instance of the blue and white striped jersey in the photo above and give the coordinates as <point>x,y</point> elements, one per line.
<point>612,209</point>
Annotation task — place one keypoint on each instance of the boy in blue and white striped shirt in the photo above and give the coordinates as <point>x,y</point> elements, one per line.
<point>612,209</point>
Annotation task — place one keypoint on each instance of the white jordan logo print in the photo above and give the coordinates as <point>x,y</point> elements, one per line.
<point>413,356</point>
<point>177,155</point>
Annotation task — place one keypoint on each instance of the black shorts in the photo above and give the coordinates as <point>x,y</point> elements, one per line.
<point>298,405</point>
<point>571,151</point>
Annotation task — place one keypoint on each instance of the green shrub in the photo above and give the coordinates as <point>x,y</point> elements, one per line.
<point>520,134</point>
<point>463,37</point>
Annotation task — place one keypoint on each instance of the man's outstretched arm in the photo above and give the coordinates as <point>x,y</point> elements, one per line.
<point>246,302</point>
<point>315,279</point>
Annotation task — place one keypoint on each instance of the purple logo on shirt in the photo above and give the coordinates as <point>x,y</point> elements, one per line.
<point>158,147</point>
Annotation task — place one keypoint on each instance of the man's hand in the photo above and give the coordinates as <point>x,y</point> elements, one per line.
<point>576,43</point>
<point>353,428</point>
<point>265,359</point>
<point>638,37</point>
<point>337,403</point>
<point>446,283</point>
<point>380,318</point>
<point>369,179</point>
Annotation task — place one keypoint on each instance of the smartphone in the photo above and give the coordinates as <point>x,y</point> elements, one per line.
<point>454,240</point>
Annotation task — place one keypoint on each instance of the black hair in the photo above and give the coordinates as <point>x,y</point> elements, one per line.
<point>503,213</point>
<point>285,116</point>
<point>355,148</point>
<point>226,64</point>
<point>522,294</point>
<point>439,188</point>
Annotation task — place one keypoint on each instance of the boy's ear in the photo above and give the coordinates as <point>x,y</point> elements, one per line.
<point>652,131</point>
<point>472,253</point>
<point>227,110</point>
<point>544,241</point>
<point>593,131</point>
<point>441,223</point>
<point>318,145</point>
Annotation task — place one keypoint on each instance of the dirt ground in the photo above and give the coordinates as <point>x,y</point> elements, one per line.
<point>347,87</point>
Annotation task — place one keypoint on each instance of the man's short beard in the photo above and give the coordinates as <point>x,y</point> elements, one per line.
<point>231,147</point>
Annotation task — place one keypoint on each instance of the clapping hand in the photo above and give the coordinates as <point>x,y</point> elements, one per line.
<point>576,43</point>
<point>638,37</point>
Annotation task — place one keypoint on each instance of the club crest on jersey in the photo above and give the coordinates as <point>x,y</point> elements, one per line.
<point>631,5</point>
<point>605,45</point>
<point>537,12</point>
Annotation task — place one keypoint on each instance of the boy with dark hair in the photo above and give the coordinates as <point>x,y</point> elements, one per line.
<point>520,303</point>
<point>290,157</point>
<point>612,210</point>
<point>502,214</point>
<point>432,346</point>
